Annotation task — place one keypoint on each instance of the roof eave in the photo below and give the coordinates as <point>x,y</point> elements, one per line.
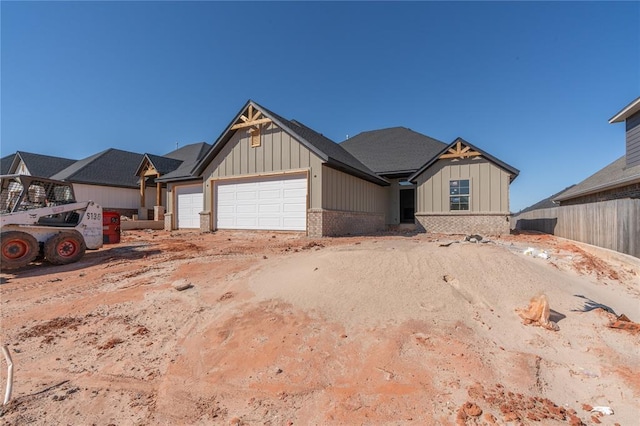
<point>626,112</point>
<point>178,179</point>
<point>350,170</point>
<point>599,188</point>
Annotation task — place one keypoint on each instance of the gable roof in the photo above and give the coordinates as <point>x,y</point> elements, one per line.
<point>329,151</point>
<point>176,164</point>
<point>511,170</point>
<point>38,164</point>
<point>612,176</point>
<point>5,164</point>
<point>189,157</point>
<point>163,165</point>
<point>112,167</point>
<point>396,150</point>
<point>626,112</point>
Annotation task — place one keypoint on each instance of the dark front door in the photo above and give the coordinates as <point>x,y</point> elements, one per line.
<point>407,205</point>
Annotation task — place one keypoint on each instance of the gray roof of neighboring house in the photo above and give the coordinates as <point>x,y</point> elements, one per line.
<point>396,150</point>
<point>547,203</point>
<point>614,175</point>
<point>5,164</point>
<point>38,164</point>
<point>325,148</point>
<point>512,170</point>
<point>112,167</point>
<point>162,164</point>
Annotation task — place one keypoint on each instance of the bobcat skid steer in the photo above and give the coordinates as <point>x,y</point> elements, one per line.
<point>40,217</point>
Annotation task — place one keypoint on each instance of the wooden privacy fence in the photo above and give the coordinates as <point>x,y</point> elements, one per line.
<point>611,224</point>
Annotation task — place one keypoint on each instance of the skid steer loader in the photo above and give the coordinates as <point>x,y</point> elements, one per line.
<point>40,217</point>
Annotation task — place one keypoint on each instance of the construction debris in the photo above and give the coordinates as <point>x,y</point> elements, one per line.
<point>538,313</point>
<point>622,322</point>
<point>530,251</point>
<point>607,411</point>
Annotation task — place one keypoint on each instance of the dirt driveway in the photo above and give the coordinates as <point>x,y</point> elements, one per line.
<point>280,329</point>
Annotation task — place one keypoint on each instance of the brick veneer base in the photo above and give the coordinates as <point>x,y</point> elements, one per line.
<point>482,224</point>
<point>334,223</point>
<point>205,221</point>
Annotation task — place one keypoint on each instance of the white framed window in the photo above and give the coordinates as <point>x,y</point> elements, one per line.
<point>459,192</point>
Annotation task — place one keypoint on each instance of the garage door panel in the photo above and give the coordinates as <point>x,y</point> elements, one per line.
<point>230,209</point>
<point>270,194</point>
<point>273,203</point>
<point>291,193</point>
<point>294,223</point>
<point>246,195</point>
<point>189,205</point>
<point>293,208</point>
<point>270,208</point>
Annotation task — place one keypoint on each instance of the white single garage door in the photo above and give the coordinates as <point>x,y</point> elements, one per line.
<point>272,203</point>
<point>189,199</point>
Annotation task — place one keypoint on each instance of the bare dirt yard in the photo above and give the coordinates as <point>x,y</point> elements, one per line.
<point>281,329</point>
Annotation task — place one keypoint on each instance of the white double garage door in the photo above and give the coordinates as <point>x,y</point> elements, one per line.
<point>265,203</point>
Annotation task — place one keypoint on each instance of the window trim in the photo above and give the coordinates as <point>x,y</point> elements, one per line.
<point>460,195</point>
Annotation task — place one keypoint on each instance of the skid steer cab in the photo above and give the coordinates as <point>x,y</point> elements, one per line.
<point>41,218</point>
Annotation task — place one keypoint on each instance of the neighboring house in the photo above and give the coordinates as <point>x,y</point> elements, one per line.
<point>116,179</point>
<point>108,178</point>
<point>266,172</point>
<point>547,203</point>
<point>620,179</point>
<point>27,163</point>
<point>5,164</point>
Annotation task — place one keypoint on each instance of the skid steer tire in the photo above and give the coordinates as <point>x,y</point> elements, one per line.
<point>18,249</point>
<point>64,247</point>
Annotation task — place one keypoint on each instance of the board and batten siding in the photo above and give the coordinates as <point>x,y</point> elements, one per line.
<point>344,192</point>
<point>278,152</point>
<point>489,186</point>
<point>633,140</point>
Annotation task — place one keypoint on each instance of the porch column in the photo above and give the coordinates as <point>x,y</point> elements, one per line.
<point>142,189</point>
<point>158,191</point>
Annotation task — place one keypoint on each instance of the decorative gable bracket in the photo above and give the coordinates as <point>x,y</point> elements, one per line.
<point>251,118</point>
<point>460,151</point>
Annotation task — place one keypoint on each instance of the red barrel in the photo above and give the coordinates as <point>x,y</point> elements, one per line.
<point>110,227</point>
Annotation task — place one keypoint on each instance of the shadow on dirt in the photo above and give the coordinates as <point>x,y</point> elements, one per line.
<point>590,305</point>
<point>91,258</point>
<point>556,316</point>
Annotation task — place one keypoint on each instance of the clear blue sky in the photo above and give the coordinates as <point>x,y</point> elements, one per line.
<point>533,84</point>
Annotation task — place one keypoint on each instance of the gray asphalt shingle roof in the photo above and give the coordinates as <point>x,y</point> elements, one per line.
<point>188,157</point>
<point>322,146</point>
<point>613,175</point>
<point>395,150</point>
<point>547,203</point>
<point>38,164</point>
<point>112,167</point>
<point>5,164</point>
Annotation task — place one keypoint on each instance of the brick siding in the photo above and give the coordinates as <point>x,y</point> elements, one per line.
<point>482,224</point>
<point>334,223</point>
<point>628,191</point>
